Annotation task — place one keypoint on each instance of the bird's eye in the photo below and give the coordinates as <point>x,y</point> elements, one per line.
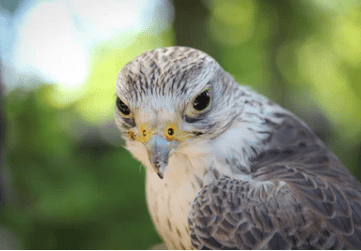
<point>122,107</point>
<point>202,101</point>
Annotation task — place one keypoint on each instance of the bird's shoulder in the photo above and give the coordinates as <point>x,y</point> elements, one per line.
<point>238,214</point>
<point>299,195</point>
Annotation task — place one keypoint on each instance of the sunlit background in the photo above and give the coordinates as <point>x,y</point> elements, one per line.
<point>66,181</point>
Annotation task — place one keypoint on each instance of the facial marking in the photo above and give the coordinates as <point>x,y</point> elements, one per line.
<point>170,132</point>
<point>145,133</point>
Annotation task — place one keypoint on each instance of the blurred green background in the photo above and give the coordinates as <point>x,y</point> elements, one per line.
<point>66,181</point>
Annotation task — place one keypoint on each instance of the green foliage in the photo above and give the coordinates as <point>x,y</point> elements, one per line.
<point>74,186</point>
<point>71,193</point>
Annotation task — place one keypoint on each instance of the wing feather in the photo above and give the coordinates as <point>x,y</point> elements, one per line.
<point>299,196</point>
<point>230,213</point>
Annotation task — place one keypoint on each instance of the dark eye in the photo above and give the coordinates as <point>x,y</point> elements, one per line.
<point>122,107</point>
<point>202,101</point>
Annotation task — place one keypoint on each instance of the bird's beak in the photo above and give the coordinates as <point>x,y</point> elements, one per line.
<point>158,149</point>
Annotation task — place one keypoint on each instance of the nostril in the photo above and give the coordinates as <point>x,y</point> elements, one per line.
<point>170,131</point>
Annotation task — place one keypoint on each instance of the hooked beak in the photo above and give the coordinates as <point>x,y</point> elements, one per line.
<point>158,149</point>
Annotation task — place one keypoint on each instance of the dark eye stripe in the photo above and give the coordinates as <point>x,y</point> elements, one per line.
<point>122,107</point>
<point>129,122</point>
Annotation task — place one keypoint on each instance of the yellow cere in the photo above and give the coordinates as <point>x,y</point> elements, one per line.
<point>145,133</point>
<point>170,132</point>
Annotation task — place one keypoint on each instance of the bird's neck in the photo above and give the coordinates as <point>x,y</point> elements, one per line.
<point>229,154</point>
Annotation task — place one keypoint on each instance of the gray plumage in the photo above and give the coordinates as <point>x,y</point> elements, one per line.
<point>241,172</point>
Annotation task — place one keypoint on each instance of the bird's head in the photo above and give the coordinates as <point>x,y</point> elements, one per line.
<point>172,98</point>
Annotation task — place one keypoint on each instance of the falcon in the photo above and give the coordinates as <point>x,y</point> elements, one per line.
<point>226,167</point>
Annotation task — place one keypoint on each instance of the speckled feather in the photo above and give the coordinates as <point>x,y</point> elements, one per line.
<point>248,174</point>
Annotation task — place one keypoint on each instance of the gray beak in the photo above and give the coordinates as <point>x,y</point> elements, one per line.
<point>158,149</point>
